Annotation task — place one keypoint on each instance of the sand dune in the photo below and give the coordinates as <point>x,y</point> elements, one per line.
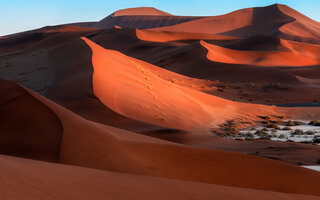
<point>151,97</point>
<point>142,18</point>
<point>130,106</point>
<point>84,142</point>
<point>257,43</point>
<point>140,11</point>
<point>284,58</point>
<point>89,144</point>
<point>141,21</point>
<point>51,181</point>
<point>282,21</point>
<point>166,36</point>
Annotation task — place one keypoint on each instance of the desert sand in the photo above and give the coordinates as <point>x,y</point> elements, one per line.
<point>144,104</point>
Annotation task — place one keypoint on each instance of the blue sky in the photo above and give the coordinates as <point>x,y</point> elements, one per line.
<point>21,15</point>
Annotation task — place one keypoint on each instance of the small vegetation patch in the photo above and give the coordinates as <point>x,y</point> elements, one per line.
<point>314,123</point>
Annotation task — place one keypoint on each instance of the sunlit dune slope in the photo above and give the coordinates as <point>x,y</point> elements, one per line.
<point>129,87</point>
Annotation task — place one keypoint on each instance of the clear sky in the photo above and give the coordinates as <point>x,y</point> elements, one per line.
<point>21,15</point>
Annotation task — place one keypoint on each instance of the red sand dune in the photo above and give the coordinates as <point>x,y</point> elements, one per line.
<point>308,50</point>
<point>142,18</point>
<point>140,11</point>
<point>166,36</point>
<point>89,144</point>
<point>268,44</point>
<point>51,181</point>
<point>283,58</point>
<point>281,20</point>
<point>134,89</point>
<point>183,57</point>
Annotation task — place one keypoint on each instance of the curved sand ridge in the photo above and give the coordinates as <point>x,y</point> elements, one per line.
<point>129,87</point>
<point>167,36</point>
<point>262,58</point>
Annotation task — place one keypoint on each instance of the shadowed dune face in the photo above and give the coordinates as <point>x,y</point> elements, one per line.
<point>28,128</point>
<point>43,38</point>
<point>142,21</point>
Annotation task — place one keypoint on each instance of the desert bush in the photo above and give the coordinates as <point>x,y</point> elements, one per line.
<point>314,123</point>
<point>298,123</point>
<point>282,136</point>
<point>275,126</point>
<point>290,123</point>
<point>261,133</point>
<point>298,132</point>
<point>286,128</point>
<point>310,132</point>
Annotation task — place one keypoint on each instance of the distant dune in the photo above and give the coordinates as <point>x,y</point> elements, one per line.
<point>281,20</point>
<point>284,58</point>
<point>140,11</point>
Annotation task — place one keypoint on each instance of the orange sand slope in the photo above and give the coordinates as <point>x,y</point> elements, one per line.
<point>276,19</point>
<point>51,181</point>
<point>292,58</point>
<point>130,87</point>
<point>89,144</point>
